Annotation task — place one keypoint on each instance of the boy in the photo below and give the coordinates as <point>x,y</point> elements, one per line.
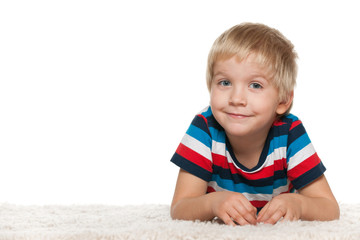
<point>245,159</point>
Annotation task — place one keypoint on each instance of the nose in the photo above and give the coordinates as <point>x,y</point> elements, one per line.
<point>238,97</point>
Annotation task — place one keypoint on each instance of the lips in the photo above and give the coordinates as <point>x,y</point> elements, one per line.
<point>238,115</point>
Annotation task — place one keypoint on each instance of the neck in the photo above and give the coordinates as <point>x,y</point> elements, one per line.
<point>248,149</point>
<point>247,145</point>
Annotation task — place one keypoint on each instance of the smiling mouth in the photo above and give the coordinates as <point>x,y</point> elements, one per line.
<point>238,116</point>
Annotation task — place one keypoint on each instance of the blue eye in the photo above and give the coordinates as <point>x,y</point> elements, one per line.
<point>225,83</point>
<point>255,86</point>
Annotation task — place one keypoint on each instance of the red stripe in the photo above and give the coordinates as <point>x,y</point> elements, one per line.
<point>294,124</point>
<point>278,123</point>
<point>221,161</point>
<point>303,167</point>
<point>194,157</point>
<point>290,186</point>
<point>258,204</point>
<point>199,115</point>
<point>280,164</point>
<point>210,189</point>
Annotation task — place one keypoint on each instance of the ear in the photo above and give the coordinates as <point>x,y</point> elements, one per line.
<point>285,105</point>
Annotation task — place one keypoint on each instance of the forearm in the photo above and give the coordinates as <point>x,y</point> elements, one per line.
<point>318,208</point>
<point>196,208</point>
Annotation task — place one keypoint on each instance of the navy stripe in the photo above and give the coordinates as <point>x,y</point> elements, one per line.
<point>238,178</point>
<point>200,123</point>
<point>295,133</point>
<point>191,167</point>
<point>309,176</point>
<point>213,123</point>
<point>282,129</point>
<point>258,210</point>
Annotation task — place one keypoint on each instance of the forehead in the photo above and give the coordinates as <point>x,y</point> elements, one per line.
<point>252,64</point>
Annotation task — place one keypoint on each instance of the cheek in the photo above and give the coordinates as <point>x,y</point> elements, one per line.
<point>214,99</point>
<point>263,105</point>
<point>218,100</point>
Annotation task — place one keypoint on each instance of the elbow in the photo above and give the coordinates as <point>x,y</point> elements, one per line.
<point>179,212</point>
<point>173,211</point>
<point>336,211</point>
<point>333,211</point>
<point>175,215</point>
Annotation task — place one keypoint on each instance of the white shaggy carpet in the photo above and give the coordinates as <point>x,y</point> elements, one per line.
<point>90,222</point>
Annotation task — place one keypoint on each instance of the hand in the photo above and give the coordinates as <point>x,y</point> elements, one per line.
<point>233,207</point>
<point>286,205</point>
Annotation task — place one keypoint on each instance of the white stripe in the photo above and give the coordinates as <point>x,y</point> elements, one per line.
<point>258,197</point>
<point>300,156</point>
<point>218,148</point>
<point>197,146</point>
<point>277,154</point>
<point>249,196</point>
<point>204,110</point>
<point>281,189</point>
<point>255,197</point>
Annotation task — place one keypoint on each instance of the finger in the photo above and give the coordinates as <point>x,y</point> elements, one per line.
<point>250,218</point>
<point>245,219</point>
<point>263,214</point>
<point>254,211</point>
<point>237,217</point>
<point>250,211</point>
<point>242,214</point>
<point>249,207</point>
<point>242,222</point>
<point>227,220</point>
<point>275,217</point>
<point>289,216</point>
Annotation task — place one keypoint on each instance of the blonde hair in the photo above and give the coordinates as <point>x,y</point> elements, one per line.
<point>269,47</point>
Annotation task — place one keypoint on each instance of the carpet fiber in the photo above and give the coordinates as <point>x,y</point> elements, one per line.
<point>90,222</point>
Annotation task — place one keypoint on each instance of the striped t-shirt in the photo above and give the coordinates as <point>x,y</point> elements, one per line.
<point>288,160</point>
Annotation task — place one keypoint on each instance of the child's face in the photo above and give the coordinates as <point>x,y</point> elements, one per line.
<point>242,98</point>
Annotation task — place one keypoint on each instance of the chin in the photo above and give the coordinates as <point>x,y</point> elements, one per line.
<point>237,133</point>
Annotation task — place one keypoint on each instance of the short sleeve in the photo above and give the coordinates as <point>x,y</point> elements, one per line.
<point>303,164</point>
<point>194,151</point>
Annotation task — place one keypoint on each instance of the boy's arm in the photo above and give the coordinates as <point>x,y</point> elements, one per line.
<point>191,202</point>
<point>314,202</point>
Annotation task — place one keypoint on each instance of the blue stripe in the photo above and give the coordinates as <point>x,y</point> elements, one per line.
<point>217,136</point>
<point>277,142</point>
<point>280,182</point>
<point>241,187</point>
<point>207,113</point>
<point>298,145</point>
<point>295,133</point>
<point>239,178</point>
<point>200,135</point>
<point>292,117</point>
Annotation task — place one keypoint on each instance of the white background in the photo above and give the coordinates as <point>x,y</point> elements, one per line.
<point>95,96</point>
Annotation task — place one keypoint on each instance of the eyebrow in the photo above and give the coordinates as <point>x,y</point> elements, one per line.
<point>259,75</point>
<point>218,73</point>
<point>253,74</point>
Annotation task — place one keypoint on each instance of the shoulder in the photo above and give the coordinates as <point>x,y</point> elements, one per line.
<point>290,128</point>
<point>205,122</point>
<point>288,119</point>
<point>288,122</point>
<point>206,118</point>
<point>298,138</point>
